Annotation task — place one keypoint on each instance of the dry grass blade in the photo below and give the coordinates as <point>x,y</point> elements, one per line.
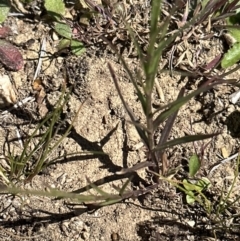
<point>41,56</point>
<point>231,6</point>
<point>175,105</point>
<point>130,113</point>
<point>169,124</point>
<point>130,74</point>
<point>222,162</point>
<point>135,167</point>
<point>160,155</point>
<point>52,193</point>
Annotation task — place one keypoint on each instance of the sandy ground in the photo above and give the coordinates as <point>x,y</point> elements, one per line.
<point>102,125</point>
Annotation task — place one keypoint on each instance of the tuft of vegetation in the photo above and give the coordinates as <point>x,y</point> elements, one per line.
<point>35,159</point>
<point>232,25</point>
<point>161,38</point>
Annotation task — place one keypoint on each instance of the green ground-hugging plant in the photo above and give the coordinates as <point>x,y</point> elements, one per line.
<point>220,211</point>
<point>144,81</point>
<point>158,42</point>
<point>33,159</point>
<point>149,61</point>
<point>230,12</point>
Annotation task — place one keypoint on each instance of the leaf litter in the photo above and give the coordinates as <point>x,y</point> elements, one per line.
<point>10,56</point>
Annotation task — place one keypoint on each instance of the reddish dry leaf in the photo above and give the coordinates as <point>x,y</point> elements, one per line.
<point>4,32</point>
<point>10,56</point>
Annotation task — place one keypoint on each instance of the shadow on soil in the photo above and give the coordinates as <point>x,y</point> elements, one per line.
<point>162,229</point>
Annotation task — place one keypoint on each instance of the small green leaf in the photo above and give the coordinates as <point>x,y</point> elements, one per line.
<point>189,198</point>
<point>203,184</point>
<point>55,6</point>
<point>4,9</point>
<point>194,165</point>
<point>64,43</point>
<point>63,30</point>
<point>232,56</point>
<point>77,47</point>
<point>234,19</point>
<point>188,186</point>
<point>235,33</point>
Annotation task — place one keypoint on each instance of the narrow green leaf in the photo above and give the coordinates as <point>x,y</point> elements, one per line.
<point>164,43</point>
<point>232,56</point>
<point>188,186</point>
<point>63,30</point>
<point>203,184</point>
<point>52,193</point>
<point>204,3</point>
<point>175,105</point>
<point>123,188</point>
<point>183,140</point>
<point>97,189</point>
<point>137,46</point>
<point>194,165</point>
<point>155,54</point>
<point>55,6</point>
<point>155,16</point>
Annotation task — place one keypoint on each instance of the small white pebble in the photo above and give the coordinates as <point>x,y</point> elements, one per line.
<point>234,97</point>
<point>53,185</point>
<point>191,223</point>
<point>55,36</point>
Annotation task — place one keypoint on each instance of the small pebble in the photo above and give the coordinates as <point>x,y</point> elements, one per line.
<point>55,36</point>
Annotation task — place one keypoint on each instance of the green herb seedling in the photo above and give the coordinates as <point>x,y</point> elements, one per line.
<point>233,55</point>
<point>63,29</point>
<point>193,188</point>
